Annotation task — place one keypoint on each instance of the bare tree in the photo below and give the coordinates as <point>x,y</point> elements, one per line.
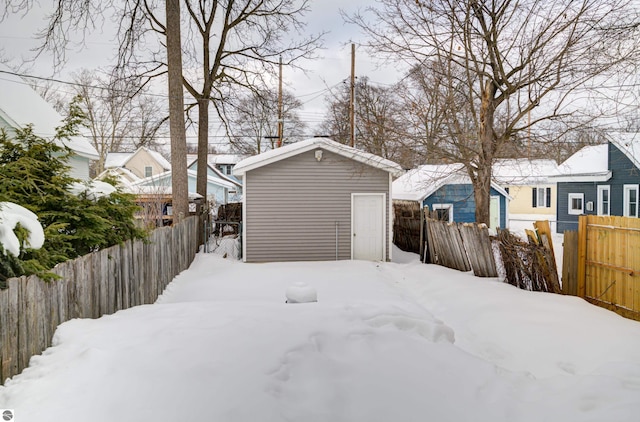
<point>231,45</point>
<point>254,122</point>
<point>120,117</point>
<point>521,63</point>
<point>179,180</point>
<point>378,125</point>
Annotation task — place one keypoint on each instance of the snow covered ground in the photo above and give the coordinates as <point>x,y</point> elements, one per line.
<point>399,341</point>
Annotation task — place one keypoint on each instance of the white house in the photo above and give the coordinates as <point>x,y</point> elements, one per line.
<point>20,106</point>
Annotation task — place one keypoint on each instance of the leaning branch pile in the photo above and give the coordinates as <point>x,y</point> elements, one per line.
<point>529,266</point>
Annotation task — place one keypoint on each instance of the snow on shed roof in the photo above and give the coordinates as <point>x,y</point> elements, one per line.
<point>20,105</point>
<point>421,182</point>
<point>522,171</point>
<point>290,150</point>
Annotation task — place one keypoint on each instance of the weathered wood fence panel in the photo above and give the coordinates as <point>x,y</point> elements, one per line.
<point>477,242</point>
<point>407,225</point>
<point>446,247</point>
<point>461,246</point>
<point>106,281</point>
<point>570,263</point>
<point>608,273</point>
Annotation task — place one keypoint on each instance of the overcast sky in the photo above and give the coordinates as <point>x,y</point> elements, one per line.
<point>333,66</point>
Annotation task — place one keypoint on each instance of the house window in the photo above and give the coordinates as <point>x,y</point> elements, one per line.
<point>225,168</point>
<point>604,195</point>
<point>148,171</point>
<point>630,198</point>
<point>541,197</point>
<point>576,203</point>
<point>443,212</point>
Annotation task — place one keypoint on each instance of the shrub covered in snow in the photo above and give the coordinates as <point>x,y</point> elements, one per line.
<point>34,174</point>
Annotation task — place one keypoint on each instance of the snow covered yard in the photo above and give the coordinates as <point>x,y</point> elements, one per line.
<point>398,341</point>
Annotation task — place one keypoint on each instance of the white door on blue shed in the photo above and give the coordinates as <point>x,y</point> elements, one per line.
<point>368,226</point>
<point>494,213</point>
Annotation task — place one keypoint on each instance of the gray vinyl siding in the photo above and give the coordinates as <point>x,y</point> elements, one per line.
<point>294,205</point>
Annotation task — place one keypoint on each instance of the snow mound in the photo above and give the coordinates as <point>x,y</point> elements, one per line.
<point>301,292</point>
<point>229,247</point>
<point>13,214</point>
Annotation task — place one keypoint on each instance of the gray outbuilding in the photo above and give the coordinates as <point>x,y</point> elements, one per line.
<point>316,200</point>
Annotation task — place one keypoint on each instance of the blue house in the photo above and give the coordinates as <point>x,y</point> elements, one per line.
<point>234,194</point>
<point>447,190</point>
<point>600,180</point>
<point>217,189</point>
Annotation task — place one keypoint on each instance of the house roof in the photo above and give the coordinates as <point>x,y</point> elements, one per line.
<point>120,159</point>
<point>523,171</point>
<point>629,144</point>
<point>214,159</point>
<point>116,159</point>
<point>422,182</point>
<point>155,180</point>
<point>590,163</point>
<point>20,105</point>
<point>124,176</point>
<point>191,160</point>
<point>296,148</point>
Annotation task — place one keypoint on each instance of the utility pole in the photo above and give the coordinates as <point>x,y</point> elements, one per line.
<point>280,121</point>
<point>352,98</point>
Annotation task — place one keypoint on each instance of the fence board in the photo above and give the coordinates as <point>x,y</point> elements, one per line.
<point>480,253</point>
<point>570,263</point>
<point>90,286</point>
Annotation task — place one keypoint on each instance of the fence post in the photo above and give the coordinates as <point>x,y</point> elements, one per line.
<point>582,255</point>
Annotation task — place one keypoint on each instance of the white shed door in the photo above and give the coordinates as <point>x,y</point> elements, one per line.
<point>494,213</point>
<point>368,226</point>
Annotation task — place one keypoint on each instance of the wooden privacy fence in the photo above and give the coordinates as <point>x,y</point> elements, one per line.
<point>462,246</point>
<point>606,271</point>
<point>100,283</point>
<point>407,226</point>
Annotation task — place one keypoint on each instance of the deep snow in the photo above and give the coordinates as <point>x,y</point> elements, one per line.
<point>398,341</point>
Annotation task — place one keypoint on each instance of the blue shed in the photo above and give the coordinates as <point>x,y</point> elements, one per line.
<point>447,190</point>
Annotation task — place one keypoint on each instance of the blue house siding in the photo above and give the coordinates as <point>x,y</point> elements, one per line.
<point>623,172</point>
<point>566,221</point>
<point>463,201</point>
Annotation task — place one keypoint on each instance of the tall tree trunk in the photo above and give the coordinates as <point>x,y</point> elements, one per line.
<point>486,138</point>
<point>203,146</point>
<point>179,182</point>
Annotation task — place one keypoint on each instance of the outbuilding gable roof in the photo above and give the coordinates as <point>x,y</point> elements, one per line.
<point>291,150</point>
<point>420,183</point>
<point>20,106</point>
